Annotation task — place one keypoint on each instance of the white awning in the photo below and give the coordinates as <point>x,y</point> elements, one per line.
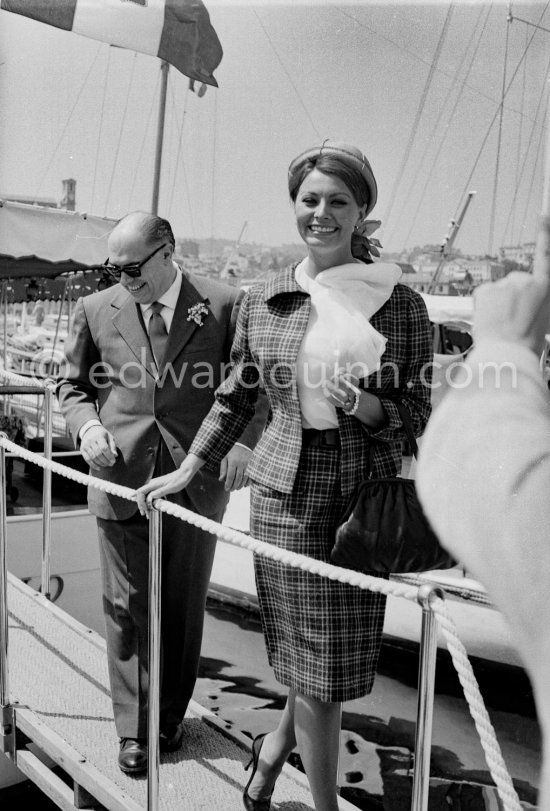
<point>51,234</point>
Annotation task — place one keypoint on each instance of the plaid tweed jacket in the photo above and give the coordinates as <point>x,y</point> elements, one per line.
<point>270,328</point>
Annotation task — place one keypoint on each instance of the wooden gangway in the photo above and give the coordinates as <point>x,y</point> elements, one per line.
<point>60,696</point>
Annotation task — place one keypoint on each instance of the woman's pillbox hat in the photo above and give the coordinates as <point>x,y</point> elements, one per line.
<point>347,153</point>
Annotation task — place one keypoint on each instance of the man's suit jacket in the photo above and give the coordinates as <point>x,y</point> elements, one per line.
<point>271,328</point>
<point>110,373</point>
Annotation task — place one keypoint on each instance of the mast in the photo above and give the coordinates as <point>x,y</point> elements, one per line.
<point>164,67</point>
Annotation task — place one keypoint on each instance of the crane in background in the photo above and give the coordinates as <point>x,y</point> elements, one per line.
<point>448,242</point>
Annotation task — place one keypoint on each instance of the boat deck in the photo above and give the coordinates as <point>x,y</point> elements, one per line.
<point>59,685</point>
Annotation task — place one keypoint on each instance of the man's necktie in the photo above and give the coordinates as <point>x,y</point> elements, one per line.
<point>157,332</point>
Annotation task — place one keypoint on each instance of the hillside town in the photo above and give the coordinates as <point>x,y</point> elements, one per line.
<point>425,268</point>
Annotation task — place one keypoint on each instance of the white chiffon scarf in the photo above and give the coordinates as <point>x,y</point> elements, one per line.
<point>339,335</point>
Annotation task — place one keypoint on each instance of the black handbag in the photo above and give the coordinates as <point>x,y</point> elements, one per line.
<point>384,528</point>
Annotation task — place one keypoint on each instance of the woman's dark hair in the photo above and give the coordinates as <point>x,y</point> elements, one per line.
<point>354,180</point>
<point>330,165</point>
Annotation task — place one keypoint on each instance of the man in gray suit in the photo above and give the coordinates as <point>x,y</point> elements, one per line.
<point>143,360</point>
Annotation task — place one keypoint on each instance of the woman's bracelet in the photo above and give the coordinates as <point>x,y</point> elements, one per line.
<point>357,393</point>
<point>353,410</point>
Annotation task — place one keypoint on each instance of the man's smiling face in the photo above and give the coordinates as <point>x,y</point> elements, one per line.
<point>127,246</point>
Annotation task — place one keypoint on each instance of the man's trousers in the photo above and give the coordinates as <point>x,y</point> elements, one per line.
<point>187,557</point>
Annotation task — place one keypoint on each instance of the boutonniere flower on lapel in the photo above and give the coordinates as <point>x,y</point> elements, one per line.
<point>197,313</point>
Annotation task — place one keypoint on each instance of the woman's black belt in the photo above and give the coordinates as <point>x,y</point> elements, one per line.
<point>329,438</point>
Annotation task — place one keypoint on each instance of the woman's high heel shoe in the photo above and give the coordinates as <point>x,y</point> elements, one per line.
<point>265,803</point>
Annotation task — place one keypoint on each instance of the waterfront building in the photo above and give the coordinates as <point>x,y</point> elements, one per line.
<point>521,254</point>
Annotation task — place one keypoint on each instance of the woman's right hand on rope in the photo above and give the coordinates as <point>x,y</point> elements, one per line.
<point>169,483</point>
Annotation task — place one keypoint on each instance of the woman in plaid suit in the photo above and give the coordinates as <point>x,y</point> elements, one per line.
<point>308,336</point>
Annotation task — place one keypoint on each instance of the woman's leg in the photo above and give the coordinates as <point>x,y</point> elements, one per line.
<point>276,748</point>
<point>317,728</point>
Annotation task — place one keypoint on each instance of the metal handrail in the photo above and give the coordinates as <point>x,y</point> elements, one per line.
<point>425,700</point>
<point>7,732</point>
<point>47,491</point>
<point>47,391</point>
<point>153,698</point>
<point>4,676</point>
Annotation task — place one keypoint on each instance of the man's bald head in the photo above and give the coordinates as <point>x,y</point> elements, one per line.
<point>149,227</point>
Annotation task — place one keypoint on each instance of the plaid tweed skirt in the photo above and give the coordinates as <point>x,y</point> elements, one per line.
<point>323,638</point>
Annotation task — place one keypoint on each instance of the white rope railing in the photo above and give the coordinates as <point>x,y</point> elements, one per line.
<point>20,380</point>
<point>473,696</point>
<point>478,711</point>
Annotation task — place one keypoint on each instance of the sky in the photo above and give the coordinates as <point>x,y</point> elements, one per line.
<point>416,86</point>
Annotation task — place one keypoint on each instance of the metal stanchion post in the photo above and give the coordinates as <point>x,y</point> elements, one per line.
<point>338,783</point>
<point>426,686</point>
<point>47,490</point>
<point>7,736</point>
<point>153,711</point>
<point>5,325</point>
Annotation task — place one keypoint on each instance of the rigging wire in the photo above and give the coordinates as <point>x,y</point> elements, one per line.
<point>518,152</point>
<point>213,197</point>
<point>144,138</point>
<point>417,207</point>
<point>120,132</point>
<point>430,140</point>
<point>418,58</point>
<point>178,157</point>
<point>499,141</point>
<point>535,165</point>
<point>490,127</point>
<point>289,77</point>
<point>96,163</point>
<point>534,25</point>
<point>418,116</point>
<point>542,97</point>
<point>64,130</point>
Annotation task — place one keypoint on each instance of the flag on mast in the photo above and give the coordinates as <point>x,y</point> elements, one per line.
<point>177,31</point>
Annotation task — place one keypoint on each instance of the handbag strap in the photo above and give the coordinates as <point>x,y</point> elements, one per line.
<point>407,424</point>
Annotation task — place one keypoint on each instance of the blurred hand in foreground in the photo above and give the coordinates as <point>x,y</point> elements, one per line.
<point>515,309</point>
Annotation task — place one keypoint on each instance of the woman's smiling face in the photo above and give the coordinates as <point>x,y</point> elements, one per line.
<point>326,214</point>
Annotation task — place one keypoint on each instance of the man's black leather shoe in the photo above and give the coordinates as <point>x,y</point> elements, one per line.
<point>132,757</point>
<point>170,738</point>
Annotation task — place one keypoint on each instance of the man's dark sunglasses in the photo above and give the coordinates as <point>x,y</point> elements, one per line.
<point>134,269</point>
